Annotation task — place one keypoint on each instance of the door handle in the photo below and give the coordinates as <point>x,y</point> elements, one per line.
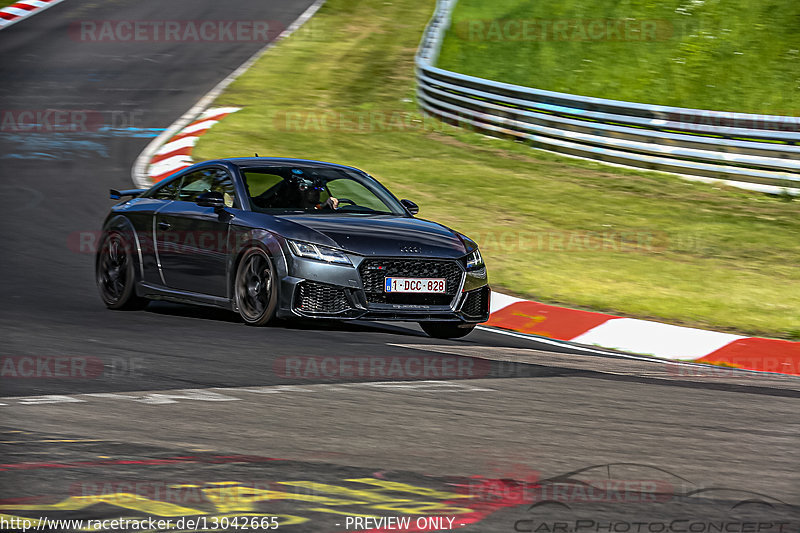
<point>164,225</point>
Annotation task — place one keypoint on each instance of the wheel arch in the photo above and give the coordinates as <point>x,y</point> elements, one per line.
<point>121,224</point>
<point>266,241</point>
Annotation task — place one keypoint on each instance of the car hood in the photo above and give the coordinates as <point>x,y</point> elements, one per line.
<point>377,235</point>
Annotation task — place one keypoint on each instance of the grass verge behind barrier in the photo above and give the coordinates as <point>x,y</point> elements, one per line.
<point>731,55</point>
<point>553,229</point>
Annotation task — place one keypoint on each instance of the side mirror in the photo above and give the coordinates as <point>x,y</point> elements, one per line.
<point>410,206</point>
<point>211,199</point>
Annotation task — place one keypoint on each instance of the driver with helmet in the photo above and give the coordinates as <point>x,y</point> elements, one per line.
<point>310,191</point>
<point>297,191</point>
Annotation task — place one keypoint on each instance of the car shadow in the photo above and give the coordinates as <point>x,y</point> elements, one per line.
<point>191,311</point>
<point>221,315</point>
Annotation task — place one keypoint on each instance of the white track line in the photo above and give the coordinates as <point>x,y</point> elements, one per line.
<point>566,344</point>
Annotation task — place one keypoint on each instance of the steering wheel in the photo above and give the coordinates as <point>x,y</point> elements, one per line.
<point>346,201</point>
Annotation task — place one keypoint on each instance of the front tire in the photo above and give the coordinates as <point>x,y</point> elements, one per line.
<point>256,288</point>
<point>116,274</point>
<point>446,330</point>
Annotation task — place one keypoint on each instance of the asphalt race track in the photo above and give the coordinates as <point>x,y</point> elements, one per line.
<point>188,412</point>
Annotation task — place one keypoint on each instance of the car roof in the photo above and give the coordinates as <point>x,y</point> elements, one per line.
<point>255,162</point>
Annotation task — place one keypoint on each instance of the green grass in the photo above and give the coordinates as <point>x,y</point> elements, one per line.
<point>731,55</point>
<point>4,3</point>
<point>716,257</point>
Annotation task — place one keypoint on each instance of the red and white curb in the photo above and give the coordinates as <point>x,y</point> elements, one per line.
<point>176,154</point>
<point>644,336</point>
<point>21,10</point>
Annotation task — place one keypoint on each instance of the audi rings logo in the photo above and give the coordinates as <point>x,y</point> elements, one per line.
<point>411,249</point>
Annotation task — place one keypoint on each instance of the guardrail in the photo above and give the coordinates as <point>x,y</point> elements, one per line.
<point>757,152</point>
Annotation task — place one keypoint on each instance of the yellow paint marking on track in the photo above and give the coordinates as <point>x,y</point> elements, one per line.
<point>344,513</point>
<point>121,499</point>
<point>230,498</point>
<point>99,527</point>
<point>283,519</point>
<point>239,498</point>
<point>395,486</point>
<point>371,495</point>
<point>9,517</point>
<point>425,508</point>
<point>532,319</point>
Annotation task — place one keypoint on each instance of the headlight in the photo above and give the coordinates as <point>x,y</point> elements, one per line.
<point>474,260</point>
<point>320,253</point>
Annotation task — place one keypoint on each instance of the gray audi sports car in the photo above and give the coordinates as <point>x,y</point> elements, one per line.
<point>269,237</point>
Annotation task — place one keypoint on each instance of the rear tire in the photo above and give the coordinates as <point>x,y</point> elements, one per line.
<point>445,330</point>
<point>116,274</point>
<point>255,288</point>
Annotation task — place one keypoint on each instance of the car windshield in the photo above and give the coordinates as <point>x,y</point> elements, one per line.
<point>316,189</point>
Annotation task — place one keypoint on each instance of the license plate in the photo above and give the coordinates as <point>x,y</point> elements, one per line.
<point>427,285</point>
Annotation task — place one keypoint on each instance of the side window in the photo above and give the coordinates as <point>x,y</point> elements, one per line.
<point>223,183</point>
<point>168,191</point>
<point>259,182</point>
<point>194,185</point>
<point>207,180</point>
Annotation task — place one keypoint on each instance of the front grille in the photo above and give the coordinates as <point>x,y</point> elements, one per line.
<point>476,303</point>
<point>319,298</point>
<point>374,272</point>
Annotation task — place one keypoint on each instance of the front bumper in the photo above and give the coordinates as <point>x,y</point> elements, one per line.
<point>320,290</point>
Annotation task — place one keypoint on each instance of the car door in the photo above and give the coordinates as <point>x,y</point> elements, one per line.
<point>141,213</point>
<point>192,240</point>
